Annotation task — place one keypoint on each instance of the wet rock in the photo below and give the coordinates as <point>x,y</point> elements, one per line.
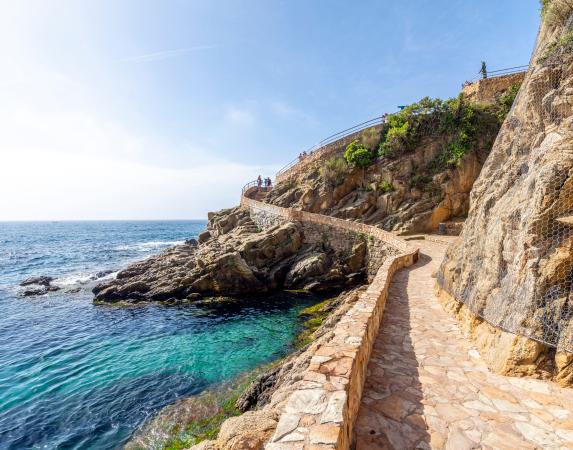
<point>33,292</point>
<point>101,274</point>
<point>41,280</point>
<point>73,290</point>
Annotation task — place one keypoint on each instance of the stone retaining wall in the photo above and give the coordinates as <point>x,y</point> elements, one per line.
<point>486,90</point>
<point>321,412</point>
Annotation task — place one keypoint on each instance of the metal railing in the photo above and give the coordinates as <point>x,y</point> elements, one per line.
<point>255,183</point>
<point>504,72</point>
<point>333,138</point>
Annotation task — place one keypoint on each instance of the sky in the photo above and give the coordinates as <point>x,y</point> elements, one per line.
<point>137,109</point>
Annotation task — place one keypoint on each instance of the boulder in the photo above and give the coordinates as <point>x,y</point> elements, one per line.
<point>204,237</point>
<point>309,266</point>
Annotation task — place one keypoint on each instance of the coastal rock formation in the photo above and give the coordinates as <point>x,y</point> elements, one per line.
<point>36,286</point>
<point>510,276</point>
<point>236,257</point>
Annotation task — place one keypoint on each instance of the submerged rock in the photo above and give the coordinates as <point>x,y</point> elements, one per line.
<point>40,290</point>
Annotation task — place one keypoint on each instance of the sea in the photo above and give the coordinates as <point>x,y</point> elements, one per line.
<point>74,375</point>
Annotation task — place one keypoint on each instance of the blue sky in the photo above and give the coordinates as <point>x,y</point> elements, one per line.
<point>118,109</point>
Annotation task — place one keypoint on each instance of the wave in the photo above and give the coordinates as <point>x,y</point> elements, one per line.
<point>81,278</point>
<point>147,246</point>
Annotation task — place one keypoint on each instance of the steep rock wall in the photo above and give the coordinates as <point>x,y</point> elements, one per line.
<point>513,265</point>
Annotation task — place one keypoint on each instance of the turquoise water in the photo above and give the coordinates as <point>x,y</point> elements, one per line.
<point>74,375</point>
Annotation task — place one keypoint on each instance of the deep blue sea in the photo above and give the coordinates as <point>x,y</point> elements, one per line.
<point>74,375</point>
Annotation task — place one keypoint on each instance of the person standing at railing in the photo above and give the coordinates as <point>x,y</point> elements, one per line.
<point>483,70</point>
<point>259,181</point>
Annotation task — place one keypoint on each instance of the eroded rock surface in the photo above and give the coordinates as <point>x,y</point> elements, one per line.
<point>236,257</point>
<point>513,266</point>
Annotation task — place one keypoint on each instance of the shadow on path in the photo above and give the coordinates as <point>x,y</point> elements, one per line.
<point>391,413</point>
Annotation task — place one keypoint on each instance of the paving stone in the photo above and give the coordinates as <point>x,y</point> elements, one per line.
<point>324,434</point>
<point>287,423</point>
<point>309,401</point>
<point>425,377</point>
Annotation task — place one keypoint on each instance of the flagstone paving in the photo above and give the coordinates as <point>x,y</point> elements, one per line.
<point>427,386</point>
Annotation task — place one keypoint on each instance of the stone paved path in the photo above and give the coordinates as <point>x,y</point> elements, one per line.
<point>427,387</point>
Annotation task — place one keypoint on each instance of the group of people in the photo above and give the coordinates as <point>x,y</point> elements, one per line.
<point>302,155</point>
<point>267,182</point>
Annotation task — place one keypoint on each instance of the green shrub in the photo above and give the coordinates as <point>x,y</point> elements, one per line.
<point>505,101</point>
<point>386,186</point>
<point>396,140</point>
<point>544,7</point>
<point>334,171</point>
<point>358,155</point>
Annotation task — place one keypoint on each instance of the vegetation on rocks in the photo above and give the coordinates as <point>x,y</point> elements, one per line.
<point>386,186</point>
<point>455,118</point>
<point>559,14</point>
<point>564,44</point>
<point>409,174</point>
<point>358,154</point>
<point>556,12</point>
<point>334,170</point>
<point>206,428</point>
<point>313,317</point>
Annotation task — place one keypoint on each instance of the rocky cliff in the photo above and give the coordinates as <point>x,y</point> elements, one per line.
<point>419,169</point>
<point>238,257</point>
<point>509,276</point>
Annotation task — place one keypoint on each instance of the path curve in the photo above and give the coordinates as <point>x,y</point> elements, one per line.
<point>427,386</point>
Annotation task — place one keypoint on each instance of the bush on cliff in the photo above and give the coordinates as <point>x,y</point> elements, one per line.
<point>334,171</point>
<point>358,155</point>
<point>455,120</point>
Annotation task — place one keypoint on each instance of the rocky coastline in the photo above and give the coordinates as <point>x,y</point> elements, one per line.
<point>236,257</point>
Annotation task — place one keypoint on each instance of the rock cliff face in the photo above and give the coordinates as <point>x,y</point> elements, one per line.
<point>426,182</point>
<point>513,265</point>
<point>236,257</point>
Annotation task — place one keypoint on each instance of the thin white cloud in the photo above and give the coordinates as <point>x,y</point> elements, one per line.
<point>287,111</point>
<point>166,54</point>
<point>241,117</point>
<point>78,166</point>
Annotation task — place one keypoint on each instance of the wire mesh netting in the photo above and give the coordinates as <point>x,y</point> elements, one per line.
<point>514,268</point>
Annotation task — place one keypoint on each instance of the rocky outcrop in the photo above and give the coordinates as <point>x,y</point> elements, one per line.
<point>512,269</point>
<point>406,193</point>
<point>36,286</point>
<point>236,257</point>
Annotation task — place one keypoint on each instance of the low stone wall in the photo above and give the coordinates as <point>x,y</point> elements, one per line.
<point>321,412</point>
<point>321,154</point>
<point>487,90</point>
